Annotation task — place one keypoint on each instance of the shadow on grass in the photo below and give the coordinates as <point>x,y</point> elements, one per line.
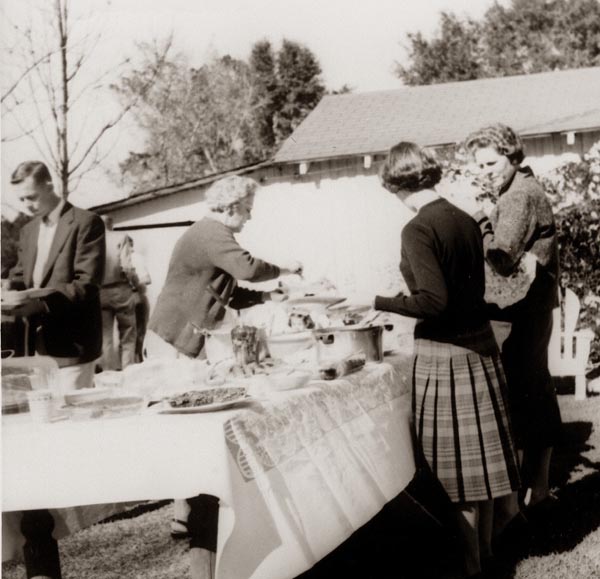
<point>403,542</point>
<point>567,521</point>
<point>145,507</point>
<point>577,512</point>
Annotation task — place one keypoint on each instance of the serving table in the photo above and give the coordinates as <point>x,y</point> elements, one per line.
<point>296,473</point>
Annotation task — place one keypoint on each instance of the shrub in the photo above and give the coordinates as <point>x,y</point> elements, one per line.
<point>10,241</point>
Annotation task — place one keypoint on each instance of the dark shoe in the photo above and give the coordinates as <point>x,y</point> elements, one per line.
<point>179,529</point>
<point>543,507</point>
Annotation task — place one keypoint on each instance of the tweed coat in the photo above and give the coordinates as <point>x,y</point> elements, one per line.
<point>523,221</point>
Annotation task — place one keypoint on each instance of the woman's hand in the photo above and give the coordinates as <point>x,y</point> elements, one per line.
<point>276,295</point>
<point>292,267</point>
<point>529,265</point>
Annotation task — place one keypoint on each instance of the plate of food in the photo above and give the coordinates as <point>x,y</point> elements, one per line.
<point>206,400</point>
<point>104,407</point>
<point>12,299</point>
<point>315,300</point>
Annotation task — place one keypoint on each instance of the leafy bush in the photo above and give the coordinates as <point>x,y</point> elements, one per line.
<point>578,237</point>
<point>10,240</point>
<point>574,189</point>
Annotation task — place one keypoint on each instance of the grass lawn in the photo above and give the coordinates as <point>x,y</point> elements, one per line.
<point>399,543</point>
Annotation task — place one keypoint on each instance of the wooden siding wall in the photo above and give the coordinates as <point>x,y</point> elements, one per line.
<point>336,219</point>
<point>546,153</point>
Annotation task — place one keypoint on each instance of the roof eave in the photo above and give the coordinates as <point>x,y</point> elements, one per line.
<point>158,192</point>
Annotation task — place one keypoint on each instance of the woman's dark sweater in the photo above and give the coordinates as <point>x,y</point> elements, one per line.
<point>442,264</point>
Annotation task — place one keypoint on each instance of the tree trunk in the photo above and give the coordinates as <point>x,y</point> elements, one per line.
<point>63,149</point>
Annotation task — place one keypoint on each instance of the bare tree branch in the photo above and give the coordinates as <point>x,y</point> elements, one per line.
<point>75,165</point>
<point>33,65</point>
<point>42,124</point>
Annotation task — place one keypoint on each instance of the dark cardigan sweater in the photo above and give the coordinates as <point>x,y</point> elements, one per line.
<point>442,264</point>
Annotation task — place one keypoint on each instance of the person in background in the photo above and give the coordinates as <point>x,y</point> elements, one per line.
<point>521,221</point>
<point>61,253</point>
<point>201,284</point>
<point>118,301</point>
<point>459,393</point>
<point>140,280</point>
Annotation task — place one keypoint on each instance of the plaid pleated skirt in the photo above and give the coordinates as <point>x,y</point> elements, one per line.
<point>461,420</point>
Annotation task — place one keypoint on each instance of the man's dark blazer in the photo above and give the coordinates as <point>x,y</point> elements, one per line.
<point>72,327</point>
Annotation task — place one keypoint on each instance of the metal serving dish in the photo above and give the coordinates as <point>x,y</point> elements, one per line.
<point>338,343</point>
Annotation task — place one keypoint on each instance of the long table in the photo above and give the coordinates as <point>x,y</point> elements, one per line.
<point>296,474</point>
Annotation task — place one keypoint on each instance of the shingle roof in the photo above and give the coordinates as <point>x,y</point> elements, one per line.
<point>372,122</point>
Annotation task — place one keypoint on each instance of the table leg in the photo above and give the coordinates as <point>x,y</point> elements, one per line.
<point>41,549</point>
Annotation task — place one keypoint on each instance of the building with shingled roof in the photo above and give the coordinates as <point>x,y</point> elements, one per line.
<point>321,201</point>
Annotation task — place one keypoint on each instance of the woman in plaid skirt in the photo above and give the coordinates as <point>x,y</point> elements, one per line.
<point>459,390</point>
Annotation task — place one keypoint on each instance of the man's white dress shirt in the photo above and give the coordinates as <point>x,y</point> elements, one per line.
<point>48,227</point>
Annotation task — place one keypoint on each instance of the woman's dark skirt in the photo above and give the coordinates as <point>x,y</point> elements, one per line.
<point>461,421</point>
<point>534,408</point>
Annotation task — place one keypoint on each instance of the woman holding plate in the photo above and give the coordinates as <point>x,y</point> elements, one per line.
<point>522,221</point>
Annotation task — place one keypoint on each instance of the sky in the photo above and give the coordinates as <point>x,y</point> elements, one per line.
<point>357,43</point>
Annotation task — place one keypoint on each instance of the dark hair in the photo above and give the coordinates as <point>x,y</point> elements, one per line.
<point>500,137</point>
<point>35,169</point>
<point>408,167</point>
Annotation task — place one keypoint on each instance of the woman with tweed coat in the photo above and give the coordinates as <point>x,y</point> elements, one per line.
<point>522,221</point>
<point>459,405</point>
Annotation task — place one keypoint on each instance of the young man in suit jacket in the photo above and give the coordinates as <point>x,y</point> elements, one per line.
<point>61,252</point>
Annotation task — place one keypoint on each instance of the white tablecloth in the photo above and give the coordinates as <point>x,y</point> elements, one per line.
<point>296,475</point>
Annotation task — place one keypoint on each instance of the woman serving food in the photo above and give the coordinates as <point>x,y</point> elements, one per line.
<point>201,284</point>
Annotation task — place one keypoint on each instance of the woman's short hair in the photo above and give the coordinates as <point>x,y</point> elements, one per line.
<point>35,169</point>
<point>500,137</point>
<point>229,191</point>
<point>408,167</point>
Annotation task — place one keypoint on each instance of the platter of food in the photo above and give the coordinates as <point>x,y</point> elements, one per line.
<point>105,407</point>
<point>207,400</point>
<point>315,300</point>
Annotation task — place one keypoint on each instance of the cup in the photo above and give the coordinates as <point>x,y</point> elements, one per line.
<point>41,405</point>
<point>245,344</point>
